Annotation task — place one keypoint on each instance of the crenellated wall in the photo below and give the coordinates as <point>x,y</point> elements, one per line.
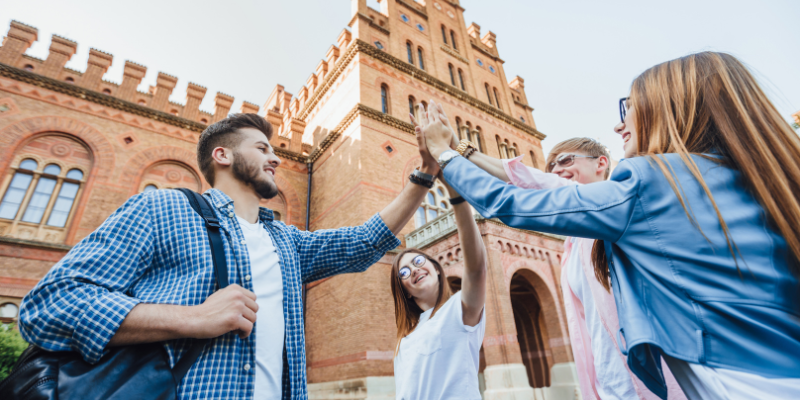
<point>20,37</point>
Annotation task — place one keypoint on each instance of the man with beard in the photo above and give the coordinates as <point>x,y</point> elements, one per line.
<point>146,274</point>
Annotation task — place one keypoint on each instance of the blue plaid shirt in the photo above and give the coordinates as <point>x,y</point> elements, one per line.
<point>154,249</point>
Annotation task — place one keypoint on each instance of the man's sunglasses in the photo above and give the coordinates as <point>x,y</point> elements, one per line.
<point>623,108</point>
<point>405,272</point>
<point>565,160</point>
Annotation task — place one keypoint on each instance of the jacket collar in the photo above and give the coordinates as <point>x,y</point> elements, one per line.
<point>224,204</point>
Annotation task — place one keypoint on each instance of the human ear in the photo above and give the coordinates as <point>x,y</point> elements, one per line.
<point>602,165</point>
<point>222,156</point>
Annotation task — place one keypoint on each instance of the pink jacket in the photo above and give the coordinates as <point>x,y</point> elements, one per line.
<point>531,178</point>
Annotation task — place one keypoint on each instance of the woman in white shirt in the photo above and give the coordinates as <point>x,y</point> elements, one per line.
<point>439,333</point>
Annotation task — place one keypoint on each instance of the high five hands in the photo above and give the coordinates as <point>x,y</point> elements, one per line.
<point>434,132</point>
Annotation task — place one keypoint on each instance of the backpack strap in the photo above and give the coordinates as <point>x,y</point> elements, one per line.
<point>202,207</point>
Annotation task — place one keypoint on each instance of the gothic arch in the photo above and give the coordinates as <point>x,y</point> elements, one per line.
<point>132,172</point>
<point>294,210</point>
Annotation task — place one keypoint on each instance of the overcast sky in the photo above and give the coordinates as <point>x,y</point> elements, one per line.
<point>577,57</point>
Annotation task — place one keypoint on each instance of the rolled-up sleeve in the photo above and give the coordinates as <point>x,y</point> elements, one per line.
<point>599,210</point>
<point>80,304</point>
<point>526,177</point>
<point>329,252</point>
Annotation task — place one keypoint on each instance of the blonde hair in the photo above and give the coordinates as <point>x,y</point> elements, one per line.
<point>709,102</point>
<point>586,146</point>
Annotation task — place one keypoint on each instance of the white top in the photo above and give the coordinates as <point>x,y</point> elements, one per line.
<point>440,359</point>
<point>613,380</point>
<point>708,383</point>
<point>268,286</point>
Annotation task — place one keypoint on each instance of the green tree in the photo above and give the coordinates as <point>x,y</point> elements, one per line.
<point>11,347</point>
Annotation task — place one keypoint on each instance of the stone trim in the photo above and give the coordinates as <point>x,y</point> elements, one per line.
<point>99,98</point>
<point>360,46</point>
<point>487,54</point>
<point>35,244</point>
<point>454,53</point>
<point>523,105</point>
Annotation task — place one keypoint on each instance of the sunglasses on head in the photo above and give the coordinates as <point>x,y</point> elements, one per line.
<point>565,160</point>
<point>405,272</point>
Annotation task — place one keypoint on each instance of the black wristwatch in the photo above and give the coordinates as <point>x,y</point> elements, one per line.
<point>421,178</point>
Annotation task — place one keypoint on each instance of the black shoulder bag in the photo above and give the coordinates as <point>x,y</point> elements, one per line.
<point>127,372</point>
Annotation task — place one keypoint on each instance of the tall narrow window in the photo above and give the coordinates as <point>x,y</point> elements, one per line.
<point>66,196</point>
<point>512,151</point>
<point>533,160</point>
<point>488,94</point>
<point>384,99</point>
<point>42,194</point>
<point>453,39</point>
<point>452,75</point>
<point>420,58</point>
<point>444,35</point>
<point>497,99</point>
<point>502,147</point>
<point>410,53</point>
<point>477,138</point>
<point>458,128</point>
<point>411,105</point>
<point>461,79</point>
<point>16,191</point>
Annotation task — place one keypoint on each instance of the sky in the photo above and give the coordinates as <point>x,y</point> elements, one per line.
<point>577,57</point>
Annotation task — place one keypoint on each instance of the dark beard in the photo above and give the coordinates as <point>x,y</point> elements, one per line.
<point>248,173</point>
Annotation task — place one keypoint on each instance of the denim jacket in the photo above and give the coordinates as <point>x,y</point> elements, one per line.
<point>677,289</point>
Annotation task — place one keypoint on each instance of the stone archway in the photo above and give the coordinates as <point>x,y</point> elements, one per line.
<point>133,171</point>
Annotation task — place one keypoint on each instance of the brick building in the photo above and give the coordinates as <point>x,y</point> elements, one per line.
<point>74,147</point>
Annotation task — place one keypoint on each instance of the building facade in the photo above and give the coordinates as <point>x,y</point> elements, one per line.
<point>74,147</point>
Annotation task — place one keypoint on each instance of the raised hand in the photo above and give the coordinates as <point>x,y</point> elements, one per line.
<point>437,135</point>
<point>428,162</point>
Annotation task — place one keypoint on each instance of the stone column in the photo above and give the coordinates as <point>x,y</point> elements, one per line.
<point>131,78</point>
<point>96,68</point>
<point>164,85</point>
<point>61,50</point>
<point>194,96</point>
<point>18,39</point>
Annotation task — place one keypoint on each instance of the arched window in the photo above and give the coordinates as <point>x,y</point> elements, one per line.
<point>453,39</point>
<point>533,160</point>
<point>384,99</point>
<point>420,58</point>
<point>38,203</point>
<point>458,128</point>
<point>502,147</point>
<point>497,99</point>
<point>424,105</point>
<point>436,204</point>
<point>461,79</point>
<point>9,311</point>
<point>476,138</point>
<point>452,75</point>
<point>412,102</point>
<point>169,175</point>
<point>149,188</point>
<point>488,94</point>
<point>410,52</point>
<point>512,151</point>
<point>444,34</point>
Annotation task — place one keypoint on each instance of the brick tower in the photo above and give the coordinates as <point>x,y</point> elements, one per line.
<point>347,149</point>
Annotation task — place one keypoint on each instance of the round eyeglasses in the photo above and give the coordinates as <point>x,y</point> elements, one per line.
<point>623,108</point>
<point>405,272</point>
<point>565,160</point>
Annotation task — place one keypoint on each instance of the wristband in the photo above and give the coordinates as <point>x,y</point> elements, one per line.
<point>420,178</point>
<point>456,200</point>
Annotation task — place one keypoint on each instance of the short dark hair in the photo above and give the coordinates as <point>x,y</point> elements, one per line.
<point>224,133</point>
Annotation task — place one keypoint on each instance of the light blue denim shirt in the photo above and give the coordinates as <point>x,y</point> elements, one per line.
<point>675,289</point>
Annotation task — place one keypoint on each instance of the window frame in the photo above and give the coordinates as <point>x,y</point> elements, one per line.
<point>410,52</point>
<point>420,58</point>
<point>385,98</point>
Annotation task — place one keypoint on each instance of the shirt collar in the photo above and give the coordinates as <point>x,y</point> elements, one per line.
<point>224,203</point>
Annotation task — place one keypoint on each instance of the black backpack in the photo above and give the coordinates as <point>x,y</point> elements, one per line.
<point>126,372</point>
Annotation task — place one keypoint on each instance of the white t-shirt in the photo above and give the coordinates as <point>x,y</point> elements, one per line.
<point>268,286</point>
<point>441,358</point>
<point>708,383</point>
<point>613,380</point>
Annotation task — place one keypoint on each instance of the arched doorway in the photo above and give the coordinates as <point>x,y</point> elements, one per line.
<point>531,330</point>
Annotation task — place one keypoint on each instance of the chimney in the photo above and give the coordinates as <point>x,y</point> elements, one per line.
<point>61,50</point>
<point>490,39</point>
<point>194,96</point>
<point>222,104</point>
<point>474,30</point>
<point>164,85</point>
<point>97,66</point>
<point>248,108</point>
<point>131,78</point>
<point>19,38</point>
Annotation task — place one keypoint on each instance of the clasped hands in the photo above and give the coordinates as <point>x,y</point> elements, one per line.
<point>434,135</point>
